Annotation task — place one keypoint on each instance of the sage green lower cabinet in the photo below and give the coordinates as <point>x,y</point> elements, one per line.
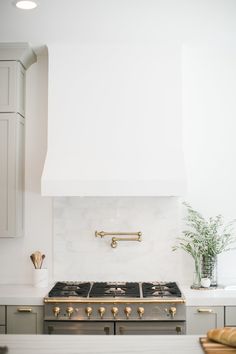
<point>24,319</point>
<point>230,316</point>
<point>200,318</point>
<point>2,319</point>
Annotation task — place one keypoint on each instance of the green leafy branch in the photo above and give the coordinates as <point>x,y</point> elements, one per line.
<point>205,237</point>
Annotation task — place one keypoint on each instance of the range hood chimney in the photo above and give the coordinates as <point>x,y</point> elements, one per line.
<point>114,126</point>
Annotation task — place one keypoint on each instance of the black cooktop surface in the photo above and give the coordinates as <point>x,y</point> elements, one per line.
<point>115,289</point>
<point>66,289</point>
<point>161,289</point>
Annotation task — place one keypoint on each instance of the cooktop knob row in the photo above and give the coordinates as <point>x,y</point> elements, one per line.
<point>101,310</point>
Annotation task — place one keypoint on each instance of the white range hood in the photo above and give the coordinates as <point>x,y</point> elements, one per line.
<point>114,121</point>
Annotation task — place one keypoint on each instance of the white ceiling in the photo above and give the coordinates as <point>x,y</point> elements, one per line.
<point>118,20</point>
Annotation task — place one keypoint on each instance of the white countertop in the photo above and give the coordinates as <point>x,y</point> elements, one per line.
<point>214,297</point>
<point>29,295</point>
<point>72,344</point>
<point>22,294</point>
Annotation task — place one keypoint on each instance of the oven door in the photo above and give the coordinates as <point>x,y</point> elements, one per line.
<point>150,327</point>
<point>69,327</point>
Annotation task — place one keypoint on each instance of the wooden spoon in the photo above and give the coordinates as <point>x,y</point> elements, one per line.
<point>43,256</point>
<point>32,257</point>
<point>38,259</point>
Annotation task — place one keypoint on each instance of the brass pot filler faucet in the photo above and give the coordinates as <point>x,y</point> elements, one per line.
<point>116,236</point>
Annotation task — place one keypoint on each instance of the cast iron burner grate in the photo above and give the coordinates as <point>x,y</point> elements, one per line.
<point>115,290</point>
<point>66,289</point>
<point>160,289</point>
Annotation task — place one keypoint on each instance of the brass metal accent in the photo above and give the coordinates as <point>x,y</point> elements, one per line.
<point>140,312</point>
<point>112,301</point>
<point>24,309</point>
<point>101,311</point>
<point>172,311</point>
<point>69,311</point>
<point>56,310</point>
<point>127,311</point>
<point>88,311</point>
<point>115,239</point>
<point>114,311</point>
<point>205,310</point>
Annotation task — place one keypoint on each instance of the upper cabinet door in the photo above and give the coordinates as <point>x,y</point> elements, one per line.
<point>12,87</point>
<point>11,175</point>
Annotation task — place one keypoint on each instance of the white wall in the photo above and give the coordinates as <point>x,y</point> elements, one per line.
<point>208,105</point>
<point>209,87</point>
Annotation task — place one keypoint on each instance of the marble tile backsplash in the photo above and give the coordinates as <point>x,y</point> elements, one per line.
<point>79,255</point>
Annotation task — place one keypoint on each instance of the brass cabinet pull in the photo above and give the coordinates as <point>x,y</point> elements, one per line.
<point>205,310</point>
<point>24,309</point>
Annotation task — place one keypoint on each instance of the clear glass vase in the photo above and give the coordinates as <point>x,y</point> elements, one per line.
<point>209,269</point>
<point>197,274</point>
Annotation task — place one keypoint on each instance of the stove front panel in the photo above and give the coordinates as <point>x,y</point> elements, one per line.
<point>113,311</point>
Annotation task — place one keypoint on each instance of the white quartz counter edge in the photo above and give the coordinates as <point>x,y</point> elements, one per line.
<point>22,295</point>
<point>71,344</point>
<point>216,297</point>
<point>29,295</point>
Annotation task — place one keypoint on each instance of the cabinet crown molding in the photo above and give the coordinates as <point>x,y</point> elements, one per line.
<point>21,52</point>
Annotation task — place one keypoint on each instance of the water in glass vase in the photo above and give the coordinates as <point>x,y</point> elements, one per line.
<point>209,269</point>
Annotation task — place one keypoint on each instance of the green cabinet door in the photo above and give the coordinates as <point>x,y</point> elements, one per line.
<point>24,319</point>
<point>202,318</point>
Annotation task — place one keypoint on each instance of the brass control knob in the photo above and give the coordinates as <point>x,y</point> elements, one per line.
<point>56,310</point>
<point>88,311</point>
<point>172,311</point>
<point>69,311</point>
<point>140,312</point>
<point>101,311</point>
<point>114,311</point>
<point>127,311</point>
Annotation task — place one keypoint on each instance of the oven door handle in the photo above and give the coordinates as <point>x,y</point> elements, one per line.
<point>107,330</point>
<point>121,330</point>
<point>50,329</point>
<point>178,329</point>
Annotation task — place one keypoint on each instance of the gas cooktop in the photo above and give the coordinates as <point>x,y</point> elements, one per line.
<point>115,290</point>
<point>115,301</point>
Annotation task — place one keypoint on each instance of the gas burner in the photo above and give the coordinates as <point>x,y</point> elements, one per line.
<point>67,289</point>
<point>109,289</point>
<point>115,291</point>
<point>161,289</point>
